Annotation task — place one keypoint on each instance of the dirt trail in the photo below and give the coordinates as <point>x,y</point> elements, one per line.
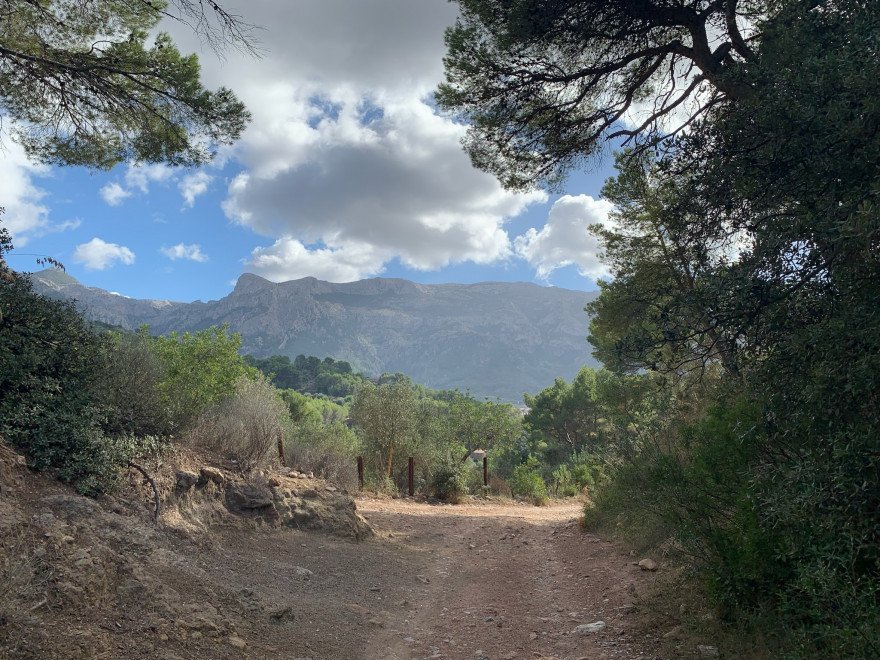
<point>504,582</point>
<point>482,581</point>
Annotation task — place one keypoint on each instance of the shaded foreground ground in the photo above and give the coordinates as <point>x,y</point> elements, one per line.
<point>511,581</point>
<point>482,580</point>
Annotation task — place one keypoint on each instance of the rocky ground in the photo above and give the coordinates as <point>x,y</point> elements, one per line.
<point>284,567</point>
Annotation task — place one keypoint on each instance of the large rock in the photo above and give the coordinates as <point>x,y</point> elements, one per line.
<point>209,474</point>
<point>648,565</point>
<point>327,511</point>
<point>186,480</point>
<point>249,496</point>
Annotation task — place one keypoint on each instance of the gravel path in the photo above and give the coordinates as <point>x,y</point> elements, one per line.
<point>504,582</point>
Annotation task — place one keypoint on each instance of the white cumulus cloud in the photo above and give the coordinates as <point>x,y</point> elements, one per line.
<point>565,239</point>
<point>347,157</point>
<point>113,193</point>
<point>391,180</point>
<point>193,185</point>
<point>26,216</point>
<point>140,176</point>
<point>136,178</point>
<point>288,259</point>
<point>100,255</point>
<point>180,251</point>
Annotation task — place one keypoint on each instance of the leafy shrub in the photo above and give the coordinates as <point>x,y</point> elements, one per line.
<point>586,471</point>
<point>129,382</point>
<point>527,481</point>
<point>201,369</point>
<point>49,360</point>
<point>449,481</point>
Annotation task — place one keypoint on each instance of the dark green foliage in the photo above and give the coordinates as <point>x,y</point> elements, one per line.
<point>578,475</point>
<point>527,481</point>
<point>82,404</point>
<point>48,359</point>
<point>82,85</point>
<point>309,374</point>
<point>746,277</point>
<point>130,387</point>
<point>542,83</point>
<point>449,481</point>
<point>52,403</point>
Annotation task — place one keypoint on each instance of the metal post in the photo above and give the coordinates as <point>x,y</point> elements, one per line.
<point>485,470</point>
<point>281,448</point>
<point>361,472</point>
<point>412,473</point>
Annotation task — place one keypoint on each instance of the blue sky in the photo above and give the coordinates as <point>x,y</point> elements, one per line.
<point>346,172</point>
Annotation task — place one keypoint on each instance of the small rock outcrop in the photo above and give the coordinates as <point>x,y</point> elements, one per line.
<point>209,475</point>
<point>298,502</point>
<point>248,497</point>
<point>186,480</point>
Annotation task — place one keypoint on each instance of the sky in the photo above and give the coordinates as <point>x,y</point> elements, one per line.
<point>347,171</point>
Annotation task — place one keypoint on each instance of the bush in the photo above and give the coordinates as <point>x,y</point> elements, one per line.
<point>200,370</point>
<point>528,483</point>
<point>49,363</point>
<point>245,426</point>
<point>449,481</point>
<point>328,450</point>
<point>130,380</point>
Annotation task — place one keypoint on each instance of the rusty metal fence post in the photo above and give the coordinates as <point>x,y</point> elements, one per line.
<point>485,470</point>
<point>361,472</point>
<point>411,476</point>
<point>281,448</point>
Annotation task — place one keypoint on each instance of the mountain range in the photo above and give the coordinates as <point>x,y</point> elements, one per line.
<point>498,339</point>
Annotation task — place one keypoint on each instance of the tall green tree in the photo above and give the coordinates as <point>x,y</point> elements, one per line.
<point>49,396</point>
<point>201,368</point>
<point>84,83</point>
<point>470,425</point>
<point>747,250</point>
<point>387,417</point>
<point>598,412</point>
<point>655,312</point>
<point>543,83</point>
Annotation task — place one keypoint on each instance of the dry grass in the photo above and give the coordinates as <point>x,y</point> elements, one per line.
<point>24,576</point>
<point>245,427</point>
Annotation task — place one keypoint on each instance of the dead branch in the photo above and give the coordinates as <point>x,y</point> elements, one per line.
<point>153,484</point>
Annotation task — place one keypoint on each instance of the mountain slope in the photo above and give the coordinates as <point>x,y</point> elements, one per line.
<point>498,339</point>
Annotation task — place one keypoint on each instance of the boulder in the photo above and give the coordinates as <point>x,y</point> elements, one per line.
<point>210,474</point>
<point>596,626</point>
<point>249,496</point>
<point>186,480</point>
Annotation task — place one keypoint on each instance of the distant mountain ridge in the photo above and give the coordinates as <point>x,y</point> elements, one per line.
<point>496,338</point>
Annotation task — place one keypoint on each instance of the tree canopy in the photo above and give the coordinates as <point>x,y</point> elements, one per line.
<point>542,82</point>
<point>84,83</point>
<point>745,260</point>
